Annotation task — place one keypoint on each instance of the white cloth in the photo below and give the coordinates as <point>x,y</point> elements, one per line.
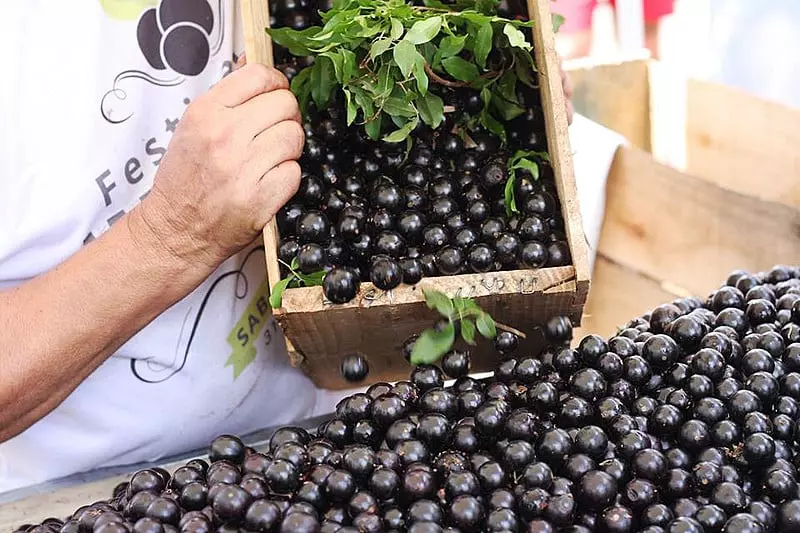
<point>87,111</point>
<point>593,148</point>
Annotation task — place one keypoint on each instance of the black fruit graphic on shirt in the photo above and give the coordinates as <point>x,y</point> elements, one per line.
<point>197,11</point>
<point>149,36</point>
<point>176,34</point>
<point>186,49</point>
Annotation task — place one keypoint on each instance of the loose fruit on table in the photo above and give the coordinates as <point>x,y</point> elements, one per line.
<point>686,420</point>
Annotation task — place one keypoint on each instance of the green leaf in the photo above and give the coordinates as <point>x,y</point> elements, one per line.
<point>508,110</point>
<point>432,345</point>
<point>509,196</point>
<point>528,165</point>
<point>468,330</point>
<point>405,54</point>
<point>301,87</point>
<point>465,305</point>
<point>439,301</point>
<point>424,30</point>
<point>460,69</point>
<point>385,84</point>
<point>348,65</point>
<point>486,97</point>
<point>298,42</point>
<point>323,79</point>
<point>558,20</point>
<point>402,133</point>
<point>314,279</point>
<point>420,76</point>
<point>364,101</point>
<point>337,59</point>
<point>483,44</point>
<point>352,108</point>
<point>491,124</point>
<point>379,47</point>
<point>295,264</point>
<point>276,297</point>
<point>431,109</point>
<point>428,51</point>
<point>486,326</point>
<point>523,71</point>
<point>507,87</point>
<point>397,107</point>
<point>451,45</point>
<point>397,29</point>
<point>515,37</point>
<point>373,127</point>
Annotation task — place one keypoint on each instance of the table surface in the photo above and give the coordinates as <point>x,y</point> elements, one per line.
<point>60,498</point>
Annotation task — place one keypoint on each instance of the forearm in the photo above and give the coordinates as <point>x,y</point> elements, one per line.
<point>56,329</point>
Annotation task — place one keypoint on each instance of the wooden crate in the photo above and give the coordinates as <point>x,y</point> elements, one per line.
<point>728,199</point>
<point>376,323</point>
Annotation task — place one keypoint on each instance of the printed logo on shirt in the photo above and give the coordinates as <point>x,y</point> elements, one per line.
<point>125,9</point>
<point>256,323</point>
<point>157,24</point>
<point>177,39</point>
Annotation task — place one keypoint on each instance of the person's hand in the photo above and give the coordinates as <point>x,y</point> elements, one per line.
<point>567,86</point>
<point>231,164</point>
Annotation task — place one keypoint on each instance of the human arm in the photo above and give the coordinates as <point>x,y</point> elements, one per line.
<point>229,167</point>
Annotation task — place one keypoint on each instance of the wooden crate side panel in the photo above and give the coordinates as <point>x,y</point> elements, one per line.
<point>379,327</point>
<point>619,294</point>
<point>687,230</point>
<point>743,143</point>
<point>258,48</point>
<point>554,107</point>
<point>615,95</point>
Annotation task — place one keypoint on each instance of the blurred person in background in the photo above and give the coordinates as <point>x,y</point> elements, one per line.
<point>574,38</point>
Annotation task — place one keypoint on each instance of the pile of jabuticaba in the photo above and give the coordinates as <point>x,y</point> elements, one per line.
<point>391,213</point>
<point>685,421</point>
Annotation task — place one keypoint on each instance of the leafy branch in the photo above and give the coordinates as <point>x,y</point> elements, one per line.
<point>521,160</point>
<point>385,55</point>
<point>433,343</point>
<point>292,280</point>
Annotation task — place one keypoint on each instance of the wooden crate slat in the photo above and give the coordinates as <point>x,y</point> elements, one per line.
<point>672,226</point>
<point>556,126</point>
<point>743,142</point>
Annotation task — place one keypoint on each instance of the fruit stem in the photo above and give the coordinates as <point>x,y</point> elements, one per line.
<point>509,329</point>
<point>454,84</point>
<point>442,81</point>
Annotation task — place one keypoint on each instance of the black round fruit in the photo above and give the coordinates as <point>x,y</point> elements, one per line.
<point>385,273</point>
<point>450,260</point>
<point>354,368</point>
<point>340,285</point>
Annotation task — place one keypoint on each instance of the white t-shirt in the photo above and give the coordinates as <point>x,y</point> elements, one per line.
<point>91,92</point>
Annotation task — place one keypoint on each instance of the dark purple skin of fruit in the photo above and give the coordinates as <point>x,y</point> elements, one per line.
<point>360,199</point>
<point>666,426</point>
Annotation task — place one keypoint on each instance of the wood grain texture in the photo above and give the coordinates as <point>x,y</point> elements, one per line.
<point>743,143</point>
<point>377,323</point>
<point>619,294</point>
<point>615,95</point>
<point>258,48</point>
<point>690,231</point>
<point>556,127</point>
